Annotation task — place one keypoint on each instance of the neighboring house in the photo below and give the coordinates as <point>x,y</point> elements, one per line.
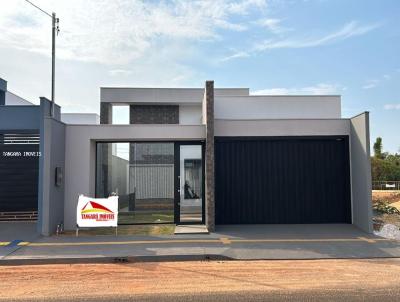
<point>80,118</point>
<point>209,155</point>
<point>19,156</point>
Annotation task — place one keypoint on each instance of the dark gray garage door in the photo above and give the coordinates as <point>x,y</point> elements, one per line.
<point>282,180</point>
<point>19,168</point>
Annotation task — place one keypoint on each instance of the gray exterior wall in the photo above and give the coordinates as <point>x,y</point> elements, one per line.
<point>20,117</point>
<point>52,148</point>
<point>154,114</point>
<point>361,172</point>
<point>290,127</point>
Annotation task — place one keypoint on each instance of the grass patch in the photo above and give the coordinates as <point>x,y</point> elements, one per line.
<point>151,230</point>
<point>143,217</point>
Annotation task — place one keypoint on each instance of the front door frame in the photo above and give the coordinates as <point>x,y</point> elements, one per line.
<point>177,170</point>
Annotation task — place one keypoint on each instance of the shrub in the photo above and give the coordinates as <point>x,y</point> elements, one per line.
<point>384,207</point>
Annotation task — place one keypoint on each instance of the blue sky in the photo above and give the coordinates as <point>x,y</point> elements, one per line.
<point>347,47</point>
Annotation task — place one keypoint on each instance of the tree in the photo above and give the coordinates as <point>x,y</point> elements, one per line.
<point>378,148</point>
<point>384,170</point>
<point>384,166</point>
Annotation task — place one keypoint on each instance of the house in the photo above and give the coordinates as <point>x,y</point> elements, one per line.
<point>207,156</point>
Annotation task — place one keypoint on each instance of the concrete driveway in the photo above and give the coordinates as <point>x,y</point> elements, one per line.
<point>248,242</point>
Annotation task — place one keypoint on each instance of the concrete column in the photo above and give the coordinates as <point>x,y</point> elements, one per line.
<point>208,118</point>
<point>105,113</point>
<point>106,152</point>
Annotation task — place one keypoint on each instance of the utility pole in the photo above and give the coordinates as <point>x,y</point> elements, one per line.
<point>54,31</point>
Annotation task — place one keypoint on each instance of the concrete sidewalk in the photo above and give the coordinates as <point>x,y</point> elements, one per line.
<point>12,233</point>
<point>228,242</point>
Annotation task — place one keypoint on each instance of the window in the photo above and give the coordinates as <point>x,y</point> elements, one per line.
<point>142,175</point>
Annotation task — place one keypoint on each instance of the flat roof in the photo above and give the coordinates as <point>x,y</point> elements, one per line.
<point>163,95</point>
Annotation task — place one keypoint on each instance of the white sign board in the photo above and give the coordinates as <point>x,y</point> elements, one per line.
<point>97,212</point>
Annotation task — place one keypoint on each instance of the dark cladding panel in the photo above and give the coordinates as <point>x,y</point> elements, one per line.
<point>19,168</point>
<point>279,181</point>
<point>154,114</point>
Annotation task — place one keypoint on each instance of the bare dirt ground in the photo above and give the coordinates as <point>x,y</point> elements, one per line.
<point>380,219</point>
<point>389,196</point>
<point>311,280</point>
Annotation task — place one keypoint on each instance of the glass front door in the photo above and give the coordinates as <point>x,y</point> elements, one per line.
<point>190,182</point>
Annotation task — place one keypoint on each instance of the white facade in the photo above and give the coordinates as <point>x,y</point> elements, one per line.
<point>163,95</point>
<point>286,127</point>
<point>277,107</point>
<point>229,103</point>
<point>236,114</point>
<point>190,115</point>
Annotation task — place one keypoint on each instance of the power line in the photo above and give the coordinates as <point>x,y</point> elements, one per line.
<point>54,32</point>
<point>34,5</point>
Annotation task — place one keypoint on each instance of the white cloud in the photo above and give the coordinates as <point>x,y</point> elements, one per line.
<point>119,31</point>
<point>349,30</point>
<point>375,82</point>
<point>319,89</point>
<point>242,7</point>
<point>240,54</point>
<point>120,72</point>
<point>392,107</point>
<point>272,25</point>
<point>371,84</point>
<point>231,26</point>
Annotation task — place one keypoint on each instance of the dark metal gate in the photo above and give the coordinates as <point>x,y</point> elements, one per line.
<point>19,169</point>
<point>282,180</point>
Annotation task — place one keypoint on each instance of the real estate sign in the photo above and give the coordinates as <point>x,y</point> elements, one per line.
<point>97,212</point>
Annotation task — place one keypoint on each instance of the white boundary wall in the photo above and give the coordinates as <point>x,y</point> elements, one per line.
<point>361,183</point>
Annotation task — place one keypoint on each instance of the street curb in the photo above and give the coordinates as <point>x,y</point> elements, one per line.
<point>120,259</point>
<point>165,258</point>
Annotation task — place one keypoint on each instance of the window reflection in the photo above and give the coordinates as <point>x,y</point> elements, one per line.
<point>142,175</point>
